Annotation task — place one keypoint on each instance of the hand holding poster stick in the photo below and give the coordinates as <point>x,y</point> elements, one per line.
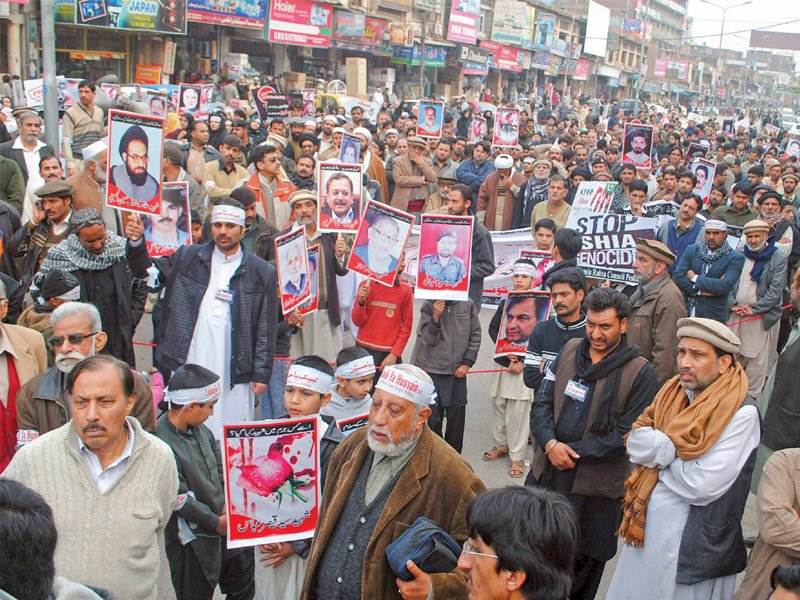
<point>363,292</point>
<point>438,309</point>
<point>134,228</point>
<point>341,247</point>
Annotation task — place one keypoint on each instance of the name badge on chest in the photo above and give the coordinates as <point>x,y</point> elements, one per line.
<point>224,295</point>
<point>576,390</point>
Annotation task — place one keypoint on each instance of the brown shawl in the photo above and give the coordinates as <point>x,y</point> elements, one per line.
<point>693,428</point>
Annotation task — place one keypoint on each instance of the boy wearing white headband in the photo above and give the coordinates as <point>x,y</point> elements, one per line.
<point>511,399</point>
<point>355,374</point>
<point>282,566</point>
<point>193,542</point>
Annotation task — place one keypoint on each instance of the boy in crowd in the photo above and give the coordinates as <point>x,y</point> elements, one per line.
<point>350,397</point>
<point>193,542</point>
<point>448,340</point>
<point>511,399</point>
<point>307,391</point>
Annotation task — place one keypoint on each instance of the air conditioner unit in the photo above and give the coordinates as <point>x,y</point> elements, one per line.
<point>438,29</point>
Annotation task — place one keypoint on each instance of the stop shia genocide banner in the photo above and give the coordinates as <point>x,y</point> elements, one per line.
<point>609,243</point>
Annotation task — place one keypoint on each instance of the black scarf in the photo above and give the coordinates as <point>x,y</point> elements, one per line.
<point>609,367</point>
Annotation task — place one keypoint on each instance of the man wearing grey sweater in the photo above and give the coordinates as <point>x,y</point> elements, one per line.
<point>111,486</point>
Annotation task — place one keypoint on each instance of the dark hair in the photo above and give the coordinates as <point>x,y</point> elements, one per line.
<point>638,185</point>
<point>571,276</point>
<point>626,167</point>
<point>686,173</point>
<point>568,242</point>
<point>244,195</point>
<point>546,223</point>
<point>350,354</point>
<point>29,536</point>
<point>44,159</point>
<point>259,152</point>
<point>697,200</point>
<point>487,147</point>
<point>705,169</point>
<point>742,188</point>
<point>336,177</point>
<point>87,83</point>
<point>670,171</point>
<point>531,530</point>
<point>133,134</point>
<point>786,576</point>
<point>465,191</point>
<point>601,299</point>
<point>97,362</point>
<point>307,155</point>
<point>721,189</point>
<point>312,361</point>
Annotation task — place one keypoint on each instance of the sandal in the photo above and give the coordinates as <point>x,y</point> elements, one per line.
<point>516,469</point>
<point>495,453</point>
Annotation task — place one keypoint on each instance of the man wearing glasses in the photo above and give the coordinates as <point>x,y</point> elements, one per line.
<point>382,236</point>
<point>42,402</point>
<point>131,178</point>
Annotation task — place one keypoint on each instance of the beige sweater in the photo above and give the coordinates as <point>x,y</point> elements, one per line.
<point>113,540</point>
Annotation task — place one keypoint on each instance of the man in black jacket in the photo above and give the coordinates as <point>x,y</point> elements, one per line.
<point>220,311</point>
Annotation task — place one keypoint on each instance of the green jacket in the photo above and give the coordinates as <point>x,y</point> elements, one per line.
<point>12,186</point>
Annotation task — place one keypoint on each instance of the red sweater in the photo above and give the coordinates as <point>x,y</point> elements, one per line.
<point>386,319</point>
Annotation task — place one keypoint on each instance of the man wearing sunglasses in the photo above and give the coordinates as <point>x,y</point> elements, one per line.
<point>42,403</point>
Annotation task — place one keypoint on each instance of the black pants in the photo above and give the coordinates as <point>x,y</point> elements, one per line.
<point>237,578</point>
<point>454,431</point>
<point>587,576</point>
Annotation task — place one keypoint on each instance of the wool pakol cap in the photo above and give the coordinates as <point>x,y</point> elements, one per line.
<point>711,331</point>
<point>716,225</point>
<point>301,195</point>
<point>755,225</point>
<point>417,141</point>
<point>173,152</point>
<point>543,161</point>
<point>57,188</point>
<point>790,175</point>
<point>655,250</point>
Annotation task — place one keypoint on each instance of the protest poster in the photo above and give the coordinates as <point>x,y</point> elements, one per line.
<point>268,104</point>
<point>351,424</point>
<point>339,197</point>
<point>727,127</point>
<point>506,128</point>
<point>292,262</point>
<point>793,147</point>
<point>771,130</point>
<point>522,311</point>
<point>272,480</point>
<point>594,196</point>
<point>703,170</point>
<point>379,242</point>
<point>309,102</point>
<point>189,96</point>
<point>350,149</point>
<point>477,129</point>
<point>158,105</point>
<point>134,162</point>
<point>313,279</point>
<point>167,231</point>
<point>637,145</point>
<point>445,248</point>
<point>695,151</point>
<point>609,243</point>
<point>431,119</point>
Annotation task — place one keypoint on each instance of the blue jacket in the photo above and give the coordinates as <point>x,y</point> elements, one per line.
<point>721,279</point>
<point>473,176</point>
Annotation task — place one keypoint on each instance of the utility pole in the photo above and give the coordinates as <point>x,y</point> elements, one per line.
<point>641,59</point>
<point>49,71</point>
<point>423,50</point>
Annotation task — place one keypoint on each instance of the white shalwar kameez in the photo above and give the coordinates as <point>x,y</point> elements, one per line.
<point>699,482</point>
<point>211,344</point>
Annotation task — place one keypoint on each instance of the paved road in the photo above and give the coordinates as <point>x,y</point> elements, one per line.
<point>478,433</point>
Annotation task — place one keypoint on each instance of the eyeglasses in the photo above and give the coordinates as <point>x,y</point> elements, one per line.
<point>467,548</point>
<point>385,236</point>
<point>74,339</point>
<point>138,158</point>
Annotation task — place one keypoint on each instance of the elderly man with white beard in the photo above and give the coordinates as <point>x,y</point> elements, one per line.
<point>42,403</point>
<point>380,479</point>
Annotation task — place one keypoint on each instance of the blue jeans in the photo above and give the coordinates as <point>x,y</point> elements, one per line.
<point>272,399</point>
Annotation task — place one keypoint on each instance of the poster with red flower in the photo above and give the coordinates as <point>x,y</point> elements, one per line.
<point>272,480</point>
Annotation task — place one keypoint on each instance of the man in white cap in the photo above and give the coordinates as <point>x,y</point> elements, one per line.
<point>708,272</point>
<point>694,449</point>
<point>220,312</point>
<point>373,165</point>
<point>326,136</point>
<point>392,471</point>
<point>758,294</point>
<point>335,145</point>
<point>89,184</point>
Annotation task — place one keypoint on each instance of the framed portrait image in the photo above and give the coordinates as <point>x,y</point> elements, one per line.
<point>477,129</point>
<point>637,145</point>
<point>380,240</point>
<point>703,170</point>
<point>445,251</point>
<point>189,98</point>
<point>521,313</point>
<point>506,128</point>
<point>134,162</point>
<point>431,119</point>
<point>172,228</point>
<point>695,151</point>
<point>312,303</point>
<point>292,261</point>
<point>339,196</point>
<point>350,150</point>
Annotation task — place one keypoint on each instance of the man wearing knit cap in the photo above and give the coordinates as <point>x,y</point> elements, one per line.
<point>373,165</point>
<point>394,470</point>
<point>332,151</point>
<point>790,192</point>
<point>325,138</point>
<point>756,309</point>
<point>656,306</point>
<point>693,449</point>
<point>219,312</point>
<point>112,486</point>
<point>708,272</point>
<point>412,172</point>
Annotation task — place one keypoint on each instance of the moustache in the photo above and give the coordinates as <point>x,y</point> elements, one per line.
<point>557,306</point>
<point>93,427</point>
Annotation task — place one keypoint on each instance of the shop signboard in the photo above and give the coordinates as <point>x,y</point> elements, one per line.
<point>435,56</point>
<point>508,24</point>
<point>300,23</point>
<point>247,14</point>
<point>667,68</point>
<point>370,32</point>
<point>349,24</point>
<point>582,69</point>
<point>156,16</point>
<point>65,11</point>
<point>545,28</point>
<point>504,57</point>
<point>148,74</point>
<point>464,21</point>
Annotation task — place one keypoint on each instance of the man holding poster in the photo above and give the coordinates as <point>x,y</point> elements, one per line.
<point>637,145</point>
<point>377,250</point>
<point>135,163</point>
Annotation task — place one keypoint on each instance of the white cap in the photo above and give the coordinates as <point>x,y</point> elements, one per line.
<point>716,225</point>
<point>311,122</point>
<point>363,131</point>
<point>400,382</point>
<point>93,150</point>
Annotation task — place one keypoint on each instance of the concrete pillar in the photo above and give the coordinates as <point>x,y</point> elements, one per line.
<point>14,48</point>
